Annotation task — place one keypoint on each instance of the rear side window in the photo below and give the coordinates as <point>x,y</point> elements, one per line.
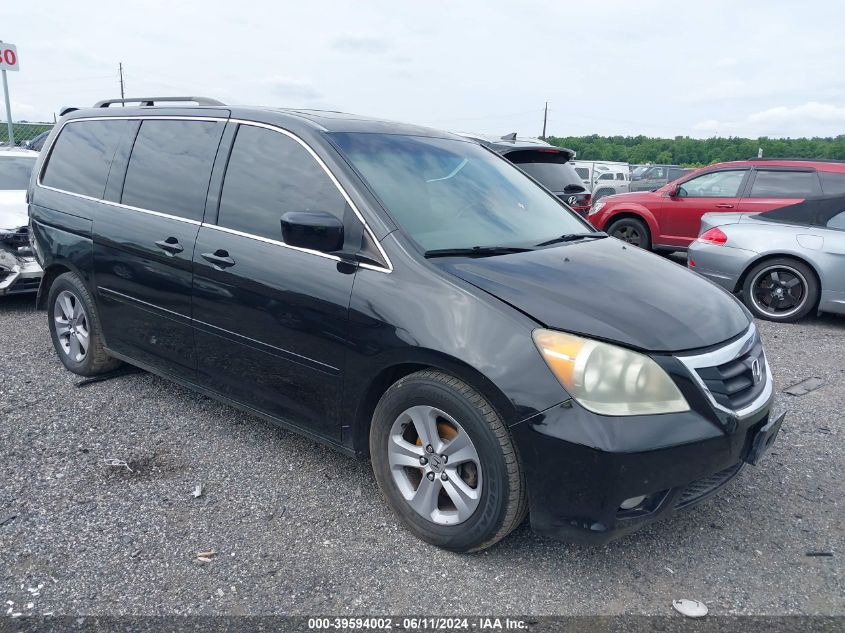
<point>268,175</point>
<point>674,174</point>
<point>171,165</point>
<point>784,184</point>
<point>81,157</point>
<point>833,183</point>
<point>837,222</point>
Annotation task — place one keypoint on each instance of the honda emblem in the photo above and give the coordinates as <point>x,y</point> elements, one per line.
<point>756,371</point>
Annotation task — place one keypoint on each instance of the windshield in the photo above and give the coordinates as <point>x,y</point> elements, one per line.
<point>450,194</point>
<point>14,172</point>
<point>551,169</point>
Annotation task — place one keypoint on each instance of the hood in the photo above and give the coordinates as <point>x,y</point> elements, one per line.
<point>607,290</point>
<point>632,196</point>
<point>13,211</point>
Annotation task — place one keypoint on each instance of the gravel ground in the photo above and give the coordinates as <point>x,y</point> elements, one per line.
<point>300,529</point>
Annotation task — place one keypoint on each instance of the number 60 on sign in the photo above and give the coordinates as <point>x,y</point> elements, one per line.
<point>8,56</point>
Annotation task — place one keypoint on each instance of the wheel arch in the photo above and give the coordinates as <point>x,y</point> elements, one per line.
<point>636,213</point>
<point>779,255</point>
<point>368,396</point>
<point>50,274</point>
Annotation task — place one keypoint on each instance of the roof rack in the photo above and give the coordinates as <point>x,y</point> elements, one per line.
<point>799,160</point>
<point>151,101</point>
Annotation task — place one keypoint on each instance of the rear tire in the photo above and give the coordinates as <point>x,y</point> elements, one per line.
<point>484,456</point>
<point>75,328</point>
<point>783,290</point>
<point>601,193</point>
<point>631,230</point>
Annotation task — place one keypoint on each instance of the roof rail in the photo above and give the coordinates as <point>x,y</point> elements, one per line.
<point>151,101</point>
<point>798,160</point>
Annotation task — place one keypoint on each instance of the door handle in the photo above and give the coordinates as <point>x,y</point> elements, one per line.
<point>171,245</point>
<point>724,205</point>
<point>219,259</point>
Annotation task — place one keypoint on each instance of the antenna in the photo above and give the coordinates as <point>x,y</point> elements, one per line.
<point>120,71</point>
<point>545,117</point>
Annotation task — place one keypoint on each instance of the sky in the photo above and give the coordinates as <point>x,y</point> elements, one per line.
<point>655,67</point>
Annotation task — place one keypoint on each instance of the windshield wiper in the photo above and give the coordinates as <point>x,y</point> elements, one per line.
<point>574,237</point>
<point>475,251</point>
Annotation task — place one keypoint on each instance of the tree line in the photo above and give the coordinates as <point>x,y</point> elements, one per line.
<point>694,152</point>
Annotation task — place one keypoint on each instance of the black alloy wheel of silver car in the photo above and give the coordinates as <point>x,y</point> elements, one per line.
<point>631,230</point>
<point>446,463</point>
<point>781,289</point>
<point>75,328</point>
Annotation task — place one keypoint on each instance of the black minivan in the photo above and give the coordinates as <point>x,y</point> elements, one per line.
<point>403,293</point>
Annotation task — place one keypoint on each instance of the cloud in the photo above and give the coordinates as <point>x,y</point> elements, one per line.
<point>360,44</point>
<point>291,88</point>
<point>810,119</point>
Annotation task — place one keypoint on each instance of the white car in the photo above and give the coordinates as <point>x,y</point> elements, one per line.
<point>19,272</point>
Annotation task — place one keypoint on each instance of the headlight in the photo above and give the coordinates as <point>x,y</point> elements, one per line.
<point>607,379</point>
<point>597,207</point>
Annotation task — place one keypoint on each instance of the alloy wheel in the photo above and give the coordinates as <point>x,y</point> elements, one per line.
<point>71,323</point>
<point>435,465</point>
<point>779,292</point>
<point>628,234</point>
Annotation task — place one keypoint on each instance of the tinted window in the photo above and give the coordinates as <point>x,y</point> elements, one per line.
<point>837,222</point>
<point>833,183</point>
<point>784,184</point>
<point>268,175</point>
<point>170,166</point>
<point>81,157</point>
<point>620,176</point>
<point>15,172</point>
<point>583,172</point>
<point>448,194</point>
<point>716,184</point>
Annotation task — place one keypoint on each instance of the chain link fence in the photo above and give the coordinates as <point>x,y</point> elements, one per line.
<point>29,135</point>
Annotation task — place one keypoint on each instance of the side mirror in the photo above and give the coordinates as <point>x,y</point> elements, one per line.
<point>314,230</point>
<point>675,191</point>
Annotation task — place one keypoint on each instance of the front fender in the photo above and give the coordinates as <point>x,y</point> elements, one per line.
<point>630,209</point>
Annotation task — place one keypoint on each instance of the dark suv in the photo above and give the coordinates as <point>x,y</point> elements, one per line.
<point>546,163</point>
<point>402,293</point>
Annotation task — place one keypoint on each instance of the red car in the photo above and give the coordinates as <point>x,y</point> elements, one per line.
<point>668,218</point>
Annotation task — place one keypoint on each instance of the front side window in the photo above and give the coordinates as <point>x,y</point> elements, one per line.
<point>784,184</point>
<point>268,175</point>
<point>452,194</point>
<point>15,172</point>
<point>655,173</point>
<point>716,184</point>
<point>81,157</point>
<point>606,177</point>
<point>171,165</point>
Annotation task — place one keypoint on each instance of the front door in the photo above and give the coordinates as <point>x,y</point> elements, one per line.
<point>144,244</point>
<point>680,215</point>
<point>271,319</point>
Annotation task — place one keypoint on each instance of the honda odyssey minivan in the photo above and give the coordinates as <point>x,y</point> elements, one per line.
<point>404,294</point>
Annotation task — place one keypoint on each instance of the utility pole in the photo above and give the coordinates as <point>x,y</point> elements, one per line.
<point>545,118</point>
<point>120,70</point>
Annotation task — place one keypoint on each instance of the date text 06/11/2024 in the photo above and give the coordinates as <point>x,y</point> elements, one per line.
<point>417,624</point>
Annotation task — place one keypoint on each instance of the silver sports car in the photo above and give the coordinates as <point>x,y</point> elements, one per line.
<point>785,263</point>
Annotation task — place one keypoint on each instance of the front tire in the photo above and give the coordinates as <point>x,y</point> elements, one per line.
<point>446,463</point>
<point>783,289</point>
<point>75,328</point>
<point>631,230</point>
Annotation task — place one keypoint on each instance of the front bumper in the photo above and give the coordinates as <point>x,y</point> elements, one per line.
<point>19,275</point>
<point>582,467</point>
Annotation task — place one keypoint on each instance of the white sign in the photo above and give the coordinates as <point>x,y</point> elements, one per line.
<point>8,56</point>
